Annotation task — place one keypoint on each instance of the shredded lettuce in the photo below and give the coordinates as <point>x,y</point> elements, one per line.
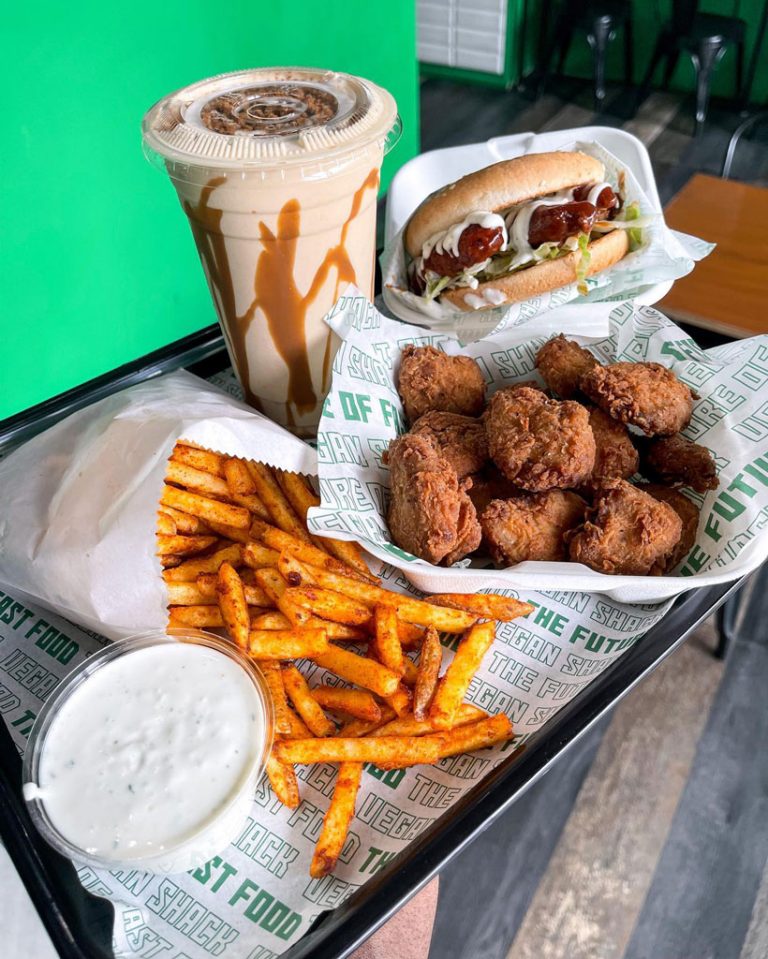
<point>434,287</point>
<point>635,235</point>
<point>583,264</point>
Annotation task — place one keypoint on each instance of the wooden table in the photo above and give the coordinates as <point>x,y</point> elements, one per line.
<point>727,292</point>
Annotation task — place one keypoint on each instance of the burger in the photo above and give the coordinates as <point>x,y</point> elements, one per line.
<point>518,229</point>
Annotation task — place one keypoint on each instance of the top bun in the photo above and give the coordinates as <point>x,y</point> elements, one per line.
<point>499,187</point>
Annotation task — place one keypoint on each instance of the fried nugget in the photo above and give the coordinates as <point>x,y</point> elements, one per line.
<point>539,443</point>
<point>615,453</point>
<point>646,395</point>
<point>431,380</point>
<point>627,531</point>
<point>562,363</point>
<point>680,462</point>
<point>430,514</point>
<point>531,526</point>
<point>689,516</point>
<point>488,485</point>
<point>461,439</point>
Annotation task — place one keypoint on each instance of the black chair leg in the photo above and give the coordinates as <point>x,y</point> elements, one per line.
<point>629,54</point>
<point>673,55</point>
<point>705,59</point>
<point>599,35</point>
<point>726,617</point>
<point>741,93</point>
<point>660,50</point>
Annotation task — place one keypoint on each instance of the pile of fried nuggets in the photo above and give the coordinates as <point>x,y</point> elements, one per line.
<point>533,477</point>
<point>237,555</point>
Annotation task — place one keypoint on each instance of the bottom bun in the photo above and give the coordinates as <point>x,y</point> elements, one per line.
<point>541,278</point>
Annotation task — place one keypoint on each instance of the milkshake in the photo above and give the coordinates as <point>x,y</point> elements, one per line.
<point>278,170</point>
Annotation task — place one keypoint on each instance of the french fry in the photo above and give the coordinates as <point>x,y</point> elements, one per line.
<point>258,557</point>
<point>412,610</point>
<point>274,586</point>
<point>206,509</point>
<point>305,704</point>
<point>187,594</point>
<point>362,727</point>
<point>198,617</point>
<point>232,603</point>
<point>336,823</point>
<point>400,750</point>
<point>335,631</point>
<point>230,532</point>
<point>411,637</point>
<point>430,660</point>
<point>165,524</point>
<point>273,677</point>
<point>302,497</point>
<point>489,606</point>
<point>254,595</point>
<point>189,571</point>
<point>278,507</point>
<point>410,672</point>
<point>282,779</point>
<point>170,560</point>
<point>280,644</point>
<point>183,545</point>
<point>299,729</point>
<point>242,489</point>
<point>387,641</point>
<point>359,670</point>
<point>352,702</point>
<point>408,725</point>
<point>184,522</point>
<point>195,480</point>
<point>466,739</point>
<point>455,683</point>
<point>329,605</point>
<point>400,700</point>
<point>285,542</point>
<point>199,459</point>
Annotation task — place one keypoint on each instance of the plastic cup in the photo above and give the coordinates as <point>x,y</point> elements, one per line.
<point>278,170</point>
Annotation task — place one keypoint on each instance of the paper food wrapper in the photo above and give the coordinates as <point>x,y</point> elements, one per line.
<point>80,499</point>
<point>256,897</point>
<point>665,255</point>
<point>363,413</point>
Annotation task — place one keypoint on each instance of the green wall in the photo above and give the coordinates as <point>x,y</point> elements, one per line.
<point>98,263</point>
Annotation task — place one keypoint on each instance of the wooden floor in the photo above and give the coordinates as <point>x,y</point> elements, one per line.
<point>649,840</point>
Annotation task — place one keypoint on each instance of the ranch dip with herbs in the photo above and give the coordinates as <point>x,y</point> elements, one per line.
<point>152,750</point>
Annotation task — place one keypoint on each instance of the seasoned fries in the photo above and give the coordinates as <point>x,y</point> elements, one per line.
<point>489,606</point>
<point>236,554</point>
<point>428,672</point>
<point>352,702</point>
<point>337,820</point>
<point>401,750</point>
<point>305,704</point>
<point>281,644</point>
<point>233,605</point>
<point>454,685</point>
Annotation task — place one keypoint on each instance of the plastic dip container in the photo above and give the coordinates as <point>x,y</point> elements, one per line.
<point>148,754</point>
<point>277,170</point>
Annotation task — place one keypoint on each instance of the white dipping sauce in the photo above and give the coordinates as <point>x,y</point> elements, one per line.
<point>149,751</point>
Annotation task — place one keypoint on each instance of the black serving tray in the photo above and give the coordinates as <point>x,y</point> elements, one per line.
<point>80,924</point>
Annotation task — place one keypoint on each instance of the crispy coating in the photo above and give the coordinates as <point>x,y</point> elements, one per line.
<point>646,395</point>
<point>615,453</point>
<point>531,526</point>
<point>562,363</point>
<point>689,516</point>
<point>461,439</point>
<point>430,514</point>
<point>539,443</point>
<point>627,531</point>
<point>487,485</point>
<point>431,380</point>
<point>680,462</point>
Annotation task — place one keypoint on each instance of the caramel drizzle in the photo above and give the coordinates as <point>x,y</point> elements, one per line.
<point>276,293</point>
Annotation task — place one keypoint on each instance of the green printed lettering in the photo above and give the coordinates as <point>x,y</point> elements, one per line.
<point>243,891</point>
<point>28,718</point>
<point>712,528</point>
<point>327,411</point>
<point>728,506</point>
<point>558,623</point>
<point>391,415</point>
<point>697,560</point>
<point>355,406</point>
<point>578,634</point>
<point>389,777</point>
